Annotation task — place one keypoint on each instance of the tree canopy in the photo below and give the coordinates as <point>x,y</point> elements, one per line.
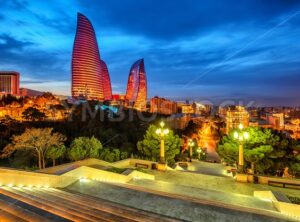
<point>36,139</point>
<point>266,149</point>
<point>84,147</point>
<point>149,147</point>
<point>33,114</point>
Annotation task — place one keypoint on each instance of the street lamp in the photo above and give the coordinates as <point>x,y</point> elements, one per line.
<point>191,144</point>
<point>162,132</point>
<point>199,151</point>
<point>241,136</point>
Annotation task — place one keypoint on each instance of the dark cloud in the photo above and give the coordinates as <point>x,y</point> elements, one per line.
<point>39,64</point>
<point>171,19</point>
<point>63,23</point>
<point>9,44</point>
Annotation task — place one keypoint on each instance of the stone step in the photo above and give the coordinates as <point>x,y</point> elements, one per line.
<point>64,206</point>
<point>28,199</point>
<point>20,212</point>
<point>83,209</point>
<point>131,213</point>
<point>8,217</point>
<point>93,205</point>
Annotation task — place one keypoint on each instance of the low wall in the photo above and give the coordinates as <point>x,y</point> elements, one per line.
<point>265,180</point>
<point>61,169</point>
<point>96,174</point>
<point>66,174</point>
<point>31,179</point>
<point>289,209</point>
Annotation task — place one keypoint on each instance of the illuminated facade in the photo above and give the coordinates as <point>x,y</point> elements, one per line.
<point>9,83</point>
<point>136,93</point>
<point>107,92</point>
<point>235,116</point>
<point>90,79</point>
<point>163,106</point>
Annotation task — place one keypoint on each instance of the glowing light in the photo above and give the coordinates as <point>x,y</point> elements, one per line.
<point>246,135</point>
<point>235,135</point>
<point>166,131</point>
<point>158,131</point>
<point>241,126</point>
<point>162,124</point>
<point>10,185</point>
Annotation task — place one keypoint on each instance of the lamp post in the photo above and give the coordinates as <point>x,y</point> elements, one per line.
<point>199,151</point>
<point>241,136</point>
<point>162,132</point>
<point>191,144</point>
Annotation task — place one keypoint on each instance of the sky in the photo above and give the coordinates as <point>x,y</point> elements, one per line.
<point>216,51</point>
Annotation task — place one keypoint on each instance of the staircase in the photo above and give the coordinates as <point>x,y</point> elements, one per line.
<point>49,204</point>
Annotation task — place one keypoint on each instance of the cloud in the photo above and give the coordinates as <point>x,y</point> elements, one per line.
<point>171,19</point>
<point>24,57</point>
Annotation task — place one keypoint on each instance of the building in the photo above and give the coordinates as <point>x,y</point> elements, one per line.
<point>90,78</point>
<point>163,106</point>
<point>9,83</point>
<point>276,120</point>
<point>136,93</point>
<point>107,92</point>
<point>235,116</point>
<point>187,109</point>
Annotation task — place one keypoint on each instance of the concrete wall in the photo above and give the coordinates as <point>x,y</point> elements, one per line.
<point>31,179</point>
<point>84,172</point>
<point>10,177</point>
<point>289,209</point>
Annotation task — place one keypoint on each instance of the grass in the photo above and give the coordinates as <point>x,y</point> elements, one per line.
<point>116,170</point>
<point>294,200</point>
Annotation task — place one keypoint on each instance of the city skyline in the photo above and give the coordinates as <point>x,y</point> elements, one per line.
<point>245,53</point>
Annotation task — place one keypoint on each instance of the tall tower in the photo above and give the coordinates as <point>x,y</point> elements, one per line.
<point>107,92</point>
<point>136,93</point>
<point>88,79</point>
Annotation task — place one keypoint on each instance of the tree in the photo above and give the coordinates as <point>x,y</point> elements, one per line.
<point>84,147</point>
<point>33,114</point>
<point>35,139</point>
<point>55,152</point>
<point>149,147</point>
<point>266,150</point>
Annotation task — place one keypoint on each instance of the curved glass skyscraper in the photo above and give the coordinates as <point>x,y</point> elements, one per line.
<point>107,92</point>
<point>136,92</point>
<point>90,79</point>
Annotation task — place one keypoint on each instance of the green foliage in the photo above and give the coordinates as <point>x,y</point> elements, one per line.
<point>149,147</point>
<point>293,199</point>
<point>84,147</point>
<point>266,149</point>
<point>116,170</point>
<point>55,152</point>
<point>112,155</point>
<point>33,114</point>
<point>37,140</point>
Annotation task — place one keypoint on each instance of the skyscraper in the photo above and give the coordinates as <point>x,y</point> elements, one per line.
<point>136,93</point>
<point>105,81</point>
<point>89,76</point>
<point>9,82</point>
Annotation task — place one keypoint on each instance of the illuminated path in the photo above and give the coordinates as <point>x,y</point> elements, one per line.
<point>38,204</point>
<point>174,205</point>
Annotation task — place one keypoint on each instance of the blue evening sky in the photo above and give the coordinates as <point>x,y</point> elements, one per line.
<point>212,50</point>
